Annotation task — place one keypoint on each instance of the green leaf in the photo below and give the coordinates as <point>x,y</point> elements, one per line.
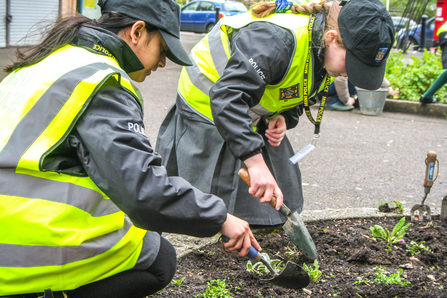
<point>399,226</point>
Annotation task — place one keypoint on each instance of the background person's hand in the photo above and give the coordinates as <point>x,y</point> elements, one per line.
<point>276,130</point>
<point>350,102</point>
<point>240,235</point>
<point>393,92</point>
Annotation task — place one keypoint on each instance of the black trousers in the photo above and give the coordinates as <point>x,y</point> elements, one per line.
<point>127,284</point>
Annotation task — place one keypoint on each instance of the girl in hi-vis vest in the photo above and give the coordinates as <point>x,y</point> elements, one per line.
<point>252,77</point>
<point>83,196</point>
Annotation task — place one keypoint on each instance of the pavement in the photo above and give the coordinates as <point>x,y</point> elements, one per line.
<point>359,161</point>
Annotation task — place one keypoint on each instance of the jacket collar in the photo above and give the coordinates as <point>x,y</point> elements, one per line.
<point>104,42</point>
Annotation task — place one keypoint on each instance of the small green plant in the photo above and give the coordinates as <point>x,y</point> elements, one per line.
<point>399,207</point>
<point>381,277</point>
<point>415,248</point>
<point>395,236</point>
<point>260,268</point>
<point>215,291</point>
<point>293,253</point>
<point>178,282</point>
<point>314,273</point>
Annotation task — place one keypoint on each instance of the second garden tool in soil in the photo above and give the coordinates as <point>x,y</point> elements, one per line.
<point>294,226</point>
<point>420,211</point>
<point>291,277</point>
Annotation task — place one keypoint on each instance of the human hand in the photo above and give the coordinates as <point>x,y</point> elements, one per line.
<point>276,130</point>
<point>394,92</point>
<point>241,237</point>
<point>350,102</point>
<point>262,183</point>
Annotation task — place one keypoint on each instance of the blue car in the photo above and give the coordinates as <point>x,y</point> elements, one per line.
<point>414,36</point>
<point>200,16</point>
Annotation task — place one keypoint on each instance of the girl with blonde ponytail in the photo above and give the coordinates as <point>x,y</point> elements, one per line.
<point>252,77</point>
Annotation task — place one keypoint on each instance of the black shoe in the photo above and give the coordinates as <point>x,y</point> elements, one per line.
<point>424,100</point>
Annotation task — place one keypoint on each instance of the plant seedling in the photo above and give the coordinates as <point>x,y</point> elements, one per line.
<point>381,277</point>
<point>314,273</point>
<point>293,253</point>
<point>395,236</point>
<point>415,248</point>
<point>260,268</point>
<point>215,291</point>
<point>178,282</point>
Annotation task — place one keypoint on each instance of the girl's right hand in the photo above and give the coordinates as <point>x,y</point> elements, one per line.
<point>262,183</point>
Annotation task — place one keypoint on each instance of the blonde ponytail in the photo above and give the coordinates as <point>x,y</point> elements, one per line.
<point>264,9</point>
<point>331,10</point>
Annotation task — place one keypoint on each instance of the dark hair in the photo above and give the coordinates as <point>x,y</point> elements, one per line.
<point>64,31</point>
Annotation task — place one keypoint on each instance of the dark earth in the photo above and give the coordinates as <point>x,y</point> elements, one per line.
<point>347,252</point>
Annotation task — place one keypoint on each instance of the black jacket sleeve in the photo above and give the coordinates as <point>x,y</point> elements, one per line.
<point>260,55</point>
<point>119,158</point>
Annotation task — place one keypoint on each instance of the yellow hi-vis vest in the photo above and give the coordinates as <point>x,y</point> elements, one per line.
<point>441,29</point>
<point>211,55</point>
<point>57,230</point>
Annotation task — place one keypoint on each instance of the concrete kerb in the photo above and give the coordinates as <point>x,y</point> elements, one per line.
<point>438,110</point>
<point>186,244</point>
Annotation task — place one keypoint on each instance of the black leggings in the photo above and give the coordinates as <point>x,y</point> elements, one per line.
<point>134,283</point>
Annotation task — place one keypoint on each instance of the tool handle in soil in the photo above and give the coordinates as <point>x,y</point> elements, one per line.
<point>430,170</point>
<point>254,255</point>
<point>243,173</point>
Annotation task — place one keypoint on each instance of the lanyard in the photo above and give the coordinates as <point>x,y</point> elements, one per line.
<point>306,85</point>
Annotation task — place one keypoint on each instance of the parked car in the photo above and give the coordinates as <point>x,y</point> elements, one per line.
<point>414,36</point>
<point>401,23</point>
<point>200,16</point>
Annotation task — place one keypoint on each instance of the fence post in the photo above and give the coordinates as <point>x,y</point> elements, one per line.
<point>217,14</point>
<point>423,26</point>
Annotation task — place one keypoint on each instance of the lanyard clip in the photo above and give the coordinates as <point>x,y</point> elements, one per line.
<point>315,138</point>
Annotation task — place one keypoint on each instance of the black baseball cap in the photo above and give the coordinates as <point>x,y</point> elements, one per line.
<point>163,14</point>
<point>368,32</point>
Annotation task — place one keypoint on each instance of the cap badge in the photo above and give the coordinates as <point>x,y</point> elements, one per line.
<point>381,54</point>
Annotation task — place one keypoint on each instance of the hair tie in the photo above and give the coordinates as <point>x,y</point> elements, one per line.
<point>283,5</point>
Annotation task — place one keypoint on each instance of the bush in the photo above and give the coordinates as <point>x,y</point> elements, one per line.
<point>414,78</point>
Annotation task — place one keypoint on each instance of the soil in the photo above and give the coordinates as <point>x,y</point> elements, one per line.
<point>347,252</point>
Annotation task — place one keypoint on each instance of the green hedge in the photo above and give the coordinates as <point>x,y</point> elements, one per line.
<point>415,77</point>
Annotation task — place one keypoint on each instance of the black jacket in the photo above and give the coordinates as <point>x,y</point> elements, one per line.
<point>109,145</point>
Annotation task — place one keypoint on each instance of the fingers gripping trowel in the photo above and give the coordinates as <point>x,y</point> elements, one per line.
<point>294,227</point>
<point>421,211</point>
<point>291,277</point>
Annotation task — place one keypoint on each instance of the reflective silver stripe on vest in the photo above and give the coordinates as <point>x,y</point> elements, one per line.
<point>20,185</point>
<point>60,255</point>
<point>217,50</point>
<point>198,79</point>
<point>189,112</point>
<point>254,117</point>
<point>43,112</point>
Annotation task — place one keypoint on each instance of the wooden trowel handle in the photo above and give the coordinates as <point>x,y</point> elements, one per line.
<point>430,169</point>
<point>243,173</point>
